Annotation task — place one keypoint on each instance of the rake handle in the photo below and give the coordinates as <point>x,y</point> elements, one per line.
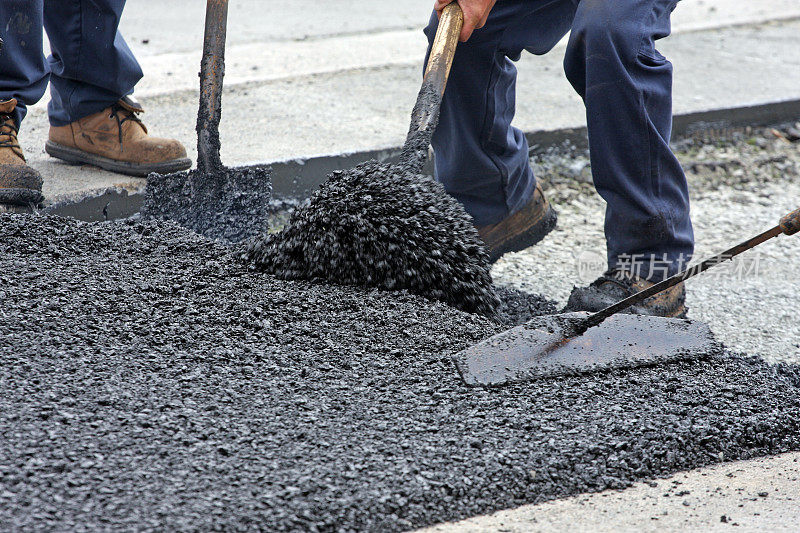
<point>789,225</point>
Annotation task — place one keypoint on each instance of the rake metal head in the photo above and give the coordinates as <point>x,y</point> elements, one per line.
<point>545,347</point>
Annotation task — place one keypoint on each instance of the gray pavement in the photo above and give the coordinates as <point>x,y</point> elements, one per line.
<point>178,27</point>
<point>351,84</point>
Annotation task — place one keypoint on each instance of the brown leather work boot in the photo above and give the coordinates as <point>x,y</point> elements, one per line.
<point>116,140</point>
<point>19,183</point>
<point>522,229</point>
<point>617,285</point>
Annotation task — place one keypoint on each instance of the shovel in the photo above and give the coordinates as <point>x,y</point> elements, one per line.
<point>226,203</point>
<point>579,343</point>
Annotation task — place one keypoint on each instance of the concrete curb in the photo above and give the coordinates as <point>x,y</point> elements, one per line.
<point>98,205</point>
<point>298,178</point>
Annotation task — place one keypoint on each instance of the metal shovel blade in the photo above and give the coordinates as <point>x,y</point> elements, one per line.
<point>543,348</point>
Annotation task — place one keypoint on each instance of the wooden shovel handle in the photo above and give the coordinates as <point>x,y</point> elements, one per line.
<point>444,47</point>
<point>212,73</point>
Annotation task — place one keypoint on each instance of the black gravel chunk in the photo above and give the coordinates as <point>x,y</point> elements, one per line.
<point>518,307</point>
<point>384,226</point>
<point>231,205</point>
<point>150,381</point>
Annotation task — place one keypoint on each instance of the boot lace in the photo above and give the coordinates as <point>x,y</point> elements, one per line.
<point>116,111</point>
<point>8,132</point>
<point>620,278</point>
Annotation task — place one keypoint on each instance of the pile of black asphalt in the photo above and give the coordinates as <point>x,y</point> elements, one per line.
<point>230,204</point>
<point>384,226</point>
<point>387,226</point>
<point>150,379</point>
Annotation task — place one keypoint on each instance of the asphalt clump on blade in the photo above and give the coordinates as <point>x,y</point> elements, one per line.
<point>518,307</point>
<point>230,204</point>
<point>152,381</point>
<point>388,227</point>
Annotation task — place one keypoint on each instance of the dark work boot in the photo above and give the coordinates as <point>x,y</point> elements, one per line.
<point>20,185</point>
<point>521,230</point>
<point>617,285</point>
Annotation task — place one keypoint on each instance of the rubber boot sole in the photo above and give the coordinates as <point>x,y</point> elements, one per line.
<point>527,238</point>
<point>16,209</point>
<point>19,197</point>
<point>79,157</point>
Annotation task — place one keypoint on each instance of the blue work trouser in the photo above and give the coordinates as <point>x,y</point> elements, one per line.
<point>626,84</point>
<point>90,68</point>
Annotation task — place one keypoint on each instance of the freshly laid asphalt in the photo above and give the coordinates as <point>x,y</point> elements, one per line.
<point>74,494</point>
<point>150,380</point>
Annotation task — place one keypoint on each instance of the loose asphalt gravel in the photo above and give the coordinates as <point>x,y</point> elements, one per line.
<point>152,381</point>
<point>230,205</point>
<point>358,230</point>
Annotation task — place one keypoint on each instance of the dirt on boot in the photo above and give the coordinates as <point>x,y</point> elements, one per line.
<point>616,285</point>
<point>115,139</point>
<point>20,185</point>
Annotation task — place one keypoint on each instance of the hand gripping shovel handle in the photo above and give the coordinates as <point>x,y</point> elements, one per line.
<point>789,225</point>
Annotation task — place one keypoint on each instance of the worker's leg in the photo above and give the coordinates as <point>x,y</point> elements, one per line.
<point>23,71</point>
<point>92,67</point>
<point>480,159</point>
<point>627,85</point>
